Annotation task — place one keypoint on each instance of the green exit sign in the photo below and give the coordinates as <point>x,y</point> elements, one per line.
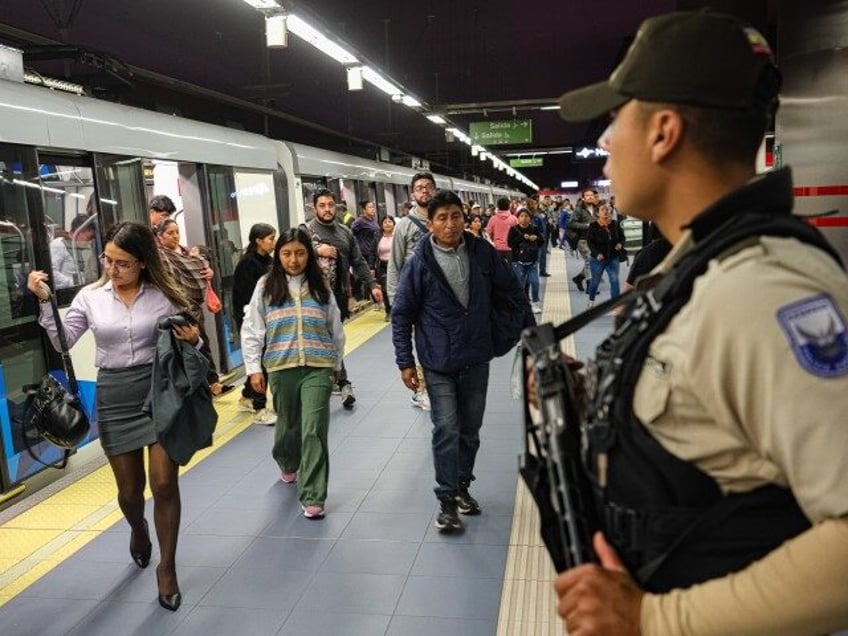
<point>527,162</point>
<point>500,133</point>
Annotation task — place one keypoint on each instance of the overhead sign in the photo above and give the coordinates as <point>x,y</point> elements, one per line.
<point>527,162</point>
<point>587,153</point>
<point>501,133</point>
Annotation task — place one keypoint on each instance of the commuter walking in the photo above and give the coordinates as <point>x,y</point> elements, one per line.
<point>606,249</point>
<point>445,294</point>
<point>122,310</point>
<point>720,463</point>
<point>335,243</point>
<point>409,231</point>
<point>253,265</point>
<point>583,215</point>
<point>383,256</point>
<point>293,328</point>
<point>525,240</point>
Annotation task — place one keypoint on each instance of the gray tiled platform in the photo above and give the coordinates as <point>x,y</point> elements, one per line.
<point>249,563</point>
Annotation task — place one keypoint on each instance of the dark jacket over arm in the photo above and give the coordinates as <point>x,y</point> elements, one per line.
<point>181,401</point>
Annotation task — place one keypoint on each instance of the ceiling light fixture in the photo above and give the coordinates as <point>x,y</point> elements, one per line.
<point>354,78</point>
<point>320,41</point>
<point>263,4</point>
<point>276,34</point>
<point>437,119</point>
<point>373,77</point>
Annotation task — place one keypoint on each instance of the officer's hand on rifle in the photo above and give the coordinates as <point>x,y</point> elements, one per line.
<point>599,600</point>
<point>572,363</point>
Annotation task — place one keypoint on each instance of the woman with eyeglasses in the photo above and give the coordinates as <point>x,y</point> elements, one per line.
<point>122,310</point>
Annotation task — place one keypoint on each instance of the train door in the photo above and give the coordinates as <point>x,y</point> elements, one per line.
<point>238,199</point>
<point>48,221</point>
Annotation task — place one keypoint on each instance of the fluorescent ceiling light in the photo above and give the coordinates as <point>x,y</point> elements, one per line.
<point>354,78</point>
<point>276,34</point>
<point>373,77</point>
<point>554,107</point>
<point>409,100</point>
<point>263,4</point>
<point>320,41</point>
<point>437,119</point>
<point>55,84</point>
<point>569,184</point>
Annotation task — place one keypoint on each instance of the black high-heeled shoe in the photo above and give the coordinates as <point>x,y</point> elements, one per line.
<point>142,557</point>
<point>170,602</point>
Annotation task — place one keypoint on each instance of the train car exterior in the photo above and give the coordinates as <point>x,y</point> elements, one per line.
<point>64,156</point>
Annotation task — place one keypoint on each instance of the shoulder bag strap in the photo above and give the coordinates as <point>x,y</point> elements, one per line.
<point>418,222</point>
<point>63,343</point>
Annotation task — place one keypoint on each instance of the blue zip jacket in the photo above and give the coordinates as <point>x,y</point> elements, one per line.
<point>448,336</point>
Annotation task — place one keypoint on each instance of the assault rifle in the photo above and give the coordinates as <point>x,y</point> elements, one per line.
<point>552,463</point>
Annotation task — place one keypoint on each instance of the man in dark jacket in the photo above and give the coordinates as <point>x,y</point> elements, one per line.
<point>446,292</point>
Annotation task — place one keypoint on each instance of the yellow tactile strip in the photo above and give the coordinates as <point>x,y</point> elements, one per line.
<point>42,537</point>
<point>528,602</point>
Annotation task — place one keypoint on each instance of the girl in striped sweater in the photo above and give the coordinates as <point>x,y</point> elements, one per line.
<point>295,318</point>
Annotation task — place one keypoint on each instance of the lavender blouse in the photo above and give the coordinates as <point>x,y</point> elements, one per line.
<point>124,336</point>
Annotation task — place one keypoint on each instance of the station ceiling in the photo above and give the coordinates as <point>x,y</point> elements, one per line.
<point>474,60</point>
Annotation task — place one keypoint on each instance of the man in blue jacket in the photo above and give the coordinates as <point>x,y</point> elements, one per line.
<point>446,292</point>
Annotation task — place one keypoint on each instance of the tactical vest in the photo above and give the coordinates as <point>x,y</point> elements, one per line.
<point>668,520</point>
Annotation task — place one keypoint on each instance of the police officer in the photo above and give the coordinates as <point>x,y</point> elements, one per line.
<point>718,451</point>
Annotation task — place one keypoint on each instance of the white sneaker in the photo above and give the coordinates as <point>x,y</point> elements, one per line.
<point>348,398</point>
<point>265,417</point>
<point>537,308</point>
<point>245,404</point>
<point>421,400</point>
<point>590,304</point>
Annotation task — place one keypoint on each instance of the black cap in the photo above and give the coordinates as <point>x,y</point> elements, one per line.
<point>698,58</point>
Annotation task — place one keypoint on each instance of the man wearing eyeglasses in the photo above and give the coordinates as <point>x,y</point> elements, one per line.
<point>408,231</point>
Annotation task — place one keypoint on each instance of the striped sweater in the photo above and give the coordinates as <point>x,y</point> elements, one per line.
<point>299,333</point>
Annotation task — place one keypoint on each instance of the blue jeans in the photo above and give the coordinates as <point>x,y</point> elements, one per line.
<point>610,266</point>
<point>528,274</point>
<point>457,403</point>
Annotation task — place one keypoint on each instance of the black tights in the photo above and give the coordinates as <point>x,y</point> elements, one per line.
<point>128,469</point>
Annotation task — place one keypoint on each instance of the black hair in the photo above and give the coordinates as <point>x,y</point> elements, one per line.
<point>390,218</point>
<point>421,175</point>
<point>364,203</point>
<point>442,199</point>
<point>723,135</point>
<point>277,284</point>
<point>138,240</point>
<point>322,192</point>
<point>258,231</point>
<point>503,203</point>
<point>78,220</point>
<point>162,203</point>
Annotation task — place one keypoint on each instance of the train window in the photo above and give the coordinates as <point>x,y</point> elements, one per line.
<point>120,185</point>
<point>70,217</point>
<point>310,185</point>
<point>22,359</point>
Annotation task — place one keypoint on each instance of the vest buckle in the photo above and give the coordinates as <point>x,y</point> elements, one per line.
<point>624,527</point>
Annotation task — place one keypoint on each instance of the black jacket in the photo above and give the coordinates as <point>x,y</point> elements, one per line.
<point>603,240</point>
<point>180,398</point>
<point>249,270</point>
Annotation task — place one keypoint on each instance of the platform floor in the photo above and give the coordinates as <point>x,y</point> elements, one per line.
<point>250,563</point>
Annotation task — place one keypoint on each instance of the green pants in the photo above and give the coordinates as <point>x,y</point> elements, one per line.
<point>302,402</point>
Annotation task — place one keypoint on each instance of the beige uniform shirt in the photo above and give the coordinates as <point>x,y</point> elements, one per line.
<point>749,383</point>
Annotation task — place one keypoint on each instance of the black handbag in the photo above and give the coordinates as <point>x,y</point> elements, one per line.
<point>53,412</point>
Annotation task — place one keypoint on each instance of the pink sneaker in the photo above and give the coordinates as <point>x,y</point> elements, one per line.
<point>313,512</point>
<point>288,478</point>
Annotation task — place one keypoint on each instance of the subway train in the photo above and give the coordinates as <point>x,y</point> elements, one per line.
<point>63,156</point>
